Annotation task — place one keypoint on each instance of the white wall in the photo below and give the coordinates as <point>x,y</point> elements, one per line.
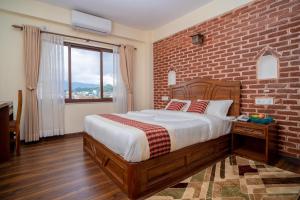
<point>60,15</point>
<point>56,19</point>
<point>202,14</point>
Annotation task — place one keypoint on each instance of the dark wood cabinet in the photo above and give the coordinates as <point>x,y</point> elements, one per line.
<point>255,141</point>
<point>4,132</point>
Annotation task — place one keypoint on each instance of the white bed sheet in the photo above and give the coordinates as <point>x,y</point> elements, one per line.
<point>131,143</point>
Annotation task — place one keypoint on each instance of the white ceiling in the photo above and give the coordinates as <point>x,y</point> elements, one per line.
<point>142,14</point>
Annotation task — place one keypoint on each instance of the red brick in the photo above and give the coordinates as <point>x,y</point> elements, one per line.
<point>289,102</point>
<point>294,129</point>
<point>275,85</point>
<point>288,113</point>
<point>279,117</point>
<point>256,86</point>
<point>278,3</point>
<point>289,69</point>
<point>295,85</point>
<point>292,150</point>
<point>229,52</point>
<point>294,118</point>
<point>288,144</point>
<point>287,91</point>
<point>294,96</point>
<point>295,107</point>
<point>287,123</point>
<point>288,37</point>
<point>295,74</point>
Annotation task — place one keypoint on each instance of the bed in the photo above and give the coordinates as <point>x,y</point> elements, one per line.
<point>131,168</point>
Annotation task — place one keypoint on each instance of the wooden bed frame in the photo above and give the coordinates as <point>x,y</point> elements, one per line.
<point>141,179</point>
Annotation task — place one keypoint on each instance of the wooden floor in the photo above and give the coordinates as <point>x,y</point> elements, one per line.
<point>59,169</point>
<point>55,169</point>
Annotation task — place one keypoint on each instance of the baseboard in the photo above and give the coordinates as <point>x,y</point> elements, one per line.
<point>296,161</point>
<point>68,135</point>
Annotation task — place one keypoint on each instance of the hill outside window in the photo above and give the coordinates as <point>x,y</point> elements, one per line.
<point>88,73</point>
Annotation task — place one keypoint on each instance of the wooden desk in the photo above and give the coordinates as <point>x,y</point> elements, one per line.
<point>5,113</point>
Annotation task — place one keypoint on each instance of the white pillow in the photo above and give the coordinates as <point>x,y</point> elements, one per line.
<point>218,108</point>
<point>185,107</point>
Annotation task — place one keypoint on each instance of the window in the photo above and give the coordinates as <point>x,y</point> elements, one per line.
<point>88,73</point>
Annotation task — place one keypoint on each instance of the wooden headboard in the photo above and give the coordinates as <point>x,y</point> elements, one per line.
<point>209,90</point>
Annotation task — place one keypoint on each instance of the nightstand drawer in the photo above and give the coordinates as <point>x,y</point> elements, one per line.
<point>250,131</point>
<point>255,141</point>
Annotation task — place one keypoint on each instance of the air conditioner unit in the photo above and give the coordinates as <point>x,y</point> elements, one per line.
<point>90,23</point>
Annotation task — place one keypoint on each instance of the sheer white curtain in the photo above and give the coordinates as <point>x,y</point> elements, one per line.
<point>119,89</point>
<point>51,86</point>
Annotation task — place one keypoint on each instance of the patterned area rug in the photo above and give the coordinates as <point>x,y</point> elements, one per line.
<point>236,178</point>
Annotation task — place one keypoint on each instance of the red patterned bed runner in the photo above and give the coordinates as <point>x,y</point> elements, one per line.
<point>157,136</point>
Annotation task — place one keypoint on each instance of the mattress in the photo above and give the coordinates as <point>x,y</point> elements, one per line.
<point>184,128</point>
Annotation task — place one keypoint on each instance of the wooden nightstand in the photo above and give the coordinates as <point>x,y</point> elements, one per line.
<point>255,141</point>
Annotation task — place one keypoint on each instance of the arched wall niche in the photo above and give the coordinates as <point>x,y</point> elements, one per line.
<point>267,65</point>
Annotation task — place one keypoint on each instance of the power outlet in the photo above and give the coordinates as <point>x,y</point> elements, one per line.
<point>165,98</point>
<point>264,101</point>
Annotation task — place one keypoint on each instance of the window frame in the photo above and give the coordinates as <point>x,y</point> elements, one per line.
<point>92,48</point>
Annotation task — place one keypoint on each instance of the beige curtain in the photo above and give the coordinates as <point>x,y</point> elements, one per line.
<point>32,41</point>
<point>126,65</point>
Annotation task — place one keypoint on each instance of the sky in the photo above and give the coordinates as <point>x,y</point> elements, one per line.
<point>85,66</point>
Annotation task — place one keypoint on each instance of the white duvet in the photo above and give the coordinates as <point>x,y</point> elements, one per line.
<point>184,128</point>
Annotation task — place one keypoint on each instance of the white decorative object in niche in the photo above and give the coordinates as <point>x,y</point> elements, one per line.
<point>172,77</point>
<point>267,65</point>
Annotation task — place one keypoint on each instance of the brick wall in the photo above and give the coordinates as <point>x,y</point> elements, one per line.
<point>232,43</point>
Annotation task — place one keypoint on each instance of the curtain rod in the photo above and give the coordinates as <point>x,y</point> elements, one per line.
<point>70,36</point>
